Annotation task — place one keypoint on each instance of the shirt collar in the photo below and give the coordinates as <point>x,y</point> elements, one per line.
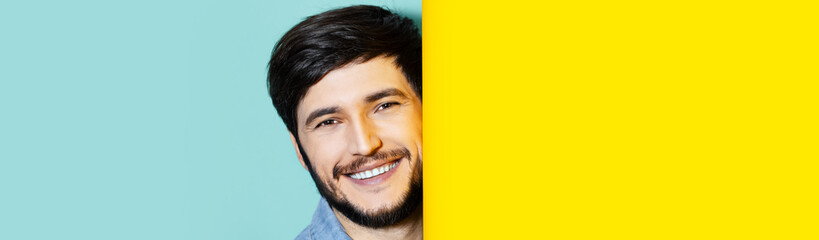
<point>325,225</point>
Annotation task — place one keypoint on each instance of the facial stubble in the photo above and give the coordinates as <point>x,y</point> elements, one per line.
<point>394,212</point>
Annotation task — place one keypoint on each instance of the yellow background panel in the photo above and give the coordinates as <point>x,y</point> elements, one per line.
<point>620,120</point>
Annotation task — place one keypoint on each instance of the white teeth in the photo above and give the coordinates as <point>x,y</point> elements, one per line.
<point>373,172</point>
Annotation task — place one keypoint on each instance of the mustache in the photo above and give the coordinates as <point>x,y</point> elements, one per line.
<point>338,170</point>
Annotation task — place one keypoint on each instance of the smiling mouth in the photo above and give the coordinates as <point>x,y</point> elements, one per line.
<point>370,173</point>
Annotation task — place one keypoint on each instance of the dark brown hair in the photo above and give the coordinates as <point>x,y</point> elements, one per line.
<point>329,40</point>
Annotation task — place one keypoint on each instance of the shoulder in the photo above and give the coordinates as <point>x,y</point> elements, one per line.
<point>305,234</point>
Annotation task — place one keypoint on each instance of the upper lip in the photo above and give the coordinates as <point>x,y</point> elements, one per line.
<point>370,165</point>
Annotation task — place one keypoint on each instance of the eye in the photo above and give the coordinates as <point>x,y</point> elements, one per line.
<point>327,123</point>
<point>384,106</point>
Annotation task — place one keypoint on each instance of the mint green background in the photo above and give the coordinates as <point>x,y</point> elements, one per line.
<point>148,120</point>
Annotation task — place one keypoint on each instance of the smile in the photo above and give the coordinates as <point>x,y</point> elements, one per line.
<point>373,172</point>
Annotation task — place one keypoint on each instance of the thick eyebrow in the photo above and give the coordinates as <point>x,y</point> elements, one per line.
<point>369,99</point>
<point>320,112</point>
<point>384,93</point>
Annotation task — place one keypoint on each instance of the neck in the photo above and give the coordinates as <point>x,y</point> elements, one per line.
<point>411,227</point>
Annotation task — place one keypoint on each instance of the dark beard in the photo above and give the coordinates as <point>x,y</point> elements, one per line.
<point>385,217</point>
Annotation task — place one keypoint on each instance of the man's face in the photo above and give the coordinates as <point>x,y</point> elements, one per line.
<point>360,128</point>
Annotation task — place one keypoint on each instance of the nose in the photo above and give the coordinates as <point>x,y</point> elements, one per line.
<point>364,138</point>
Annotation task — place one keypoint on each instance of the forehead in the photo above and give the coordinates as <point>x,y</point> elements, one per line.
<point>352,83</point>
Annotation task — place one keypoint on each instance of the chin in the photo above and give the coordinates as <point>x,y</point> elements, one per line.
<point>391,213</point>
<point>391,208</point>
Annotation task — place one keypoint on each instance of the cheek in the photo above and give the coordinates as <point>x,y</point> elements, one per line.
<point>324,155</point>
<point>406,130</point>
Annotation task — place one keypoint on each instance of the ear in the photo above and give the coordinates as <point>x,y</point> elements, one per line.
<point>298,153</point>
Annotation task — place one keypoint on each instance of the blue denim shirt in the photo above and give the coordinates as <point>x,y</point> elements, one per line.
<point>324,225</point>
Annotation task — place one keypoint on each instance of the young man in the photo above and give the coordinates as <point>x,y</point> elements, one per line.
<point>347,84</point>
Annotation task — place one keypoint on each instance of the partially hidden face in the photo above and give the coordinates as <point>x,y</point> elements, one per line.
<point>360,129</point>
